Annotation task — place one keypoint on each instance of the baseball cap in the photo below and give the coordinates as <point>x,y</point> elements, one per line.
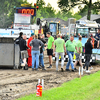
<point>32,34</point>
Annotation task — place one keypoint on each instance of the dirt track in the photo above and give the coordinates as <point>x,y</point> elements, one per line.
<point>17,83</point>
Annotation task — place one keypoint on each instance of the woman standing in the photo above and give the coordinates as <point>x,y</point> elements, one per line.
<point>36,44</point>
<point>88,52</point>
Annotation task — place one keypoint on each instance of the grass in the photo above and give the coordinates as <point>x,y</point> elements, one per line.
<point>88,88</point>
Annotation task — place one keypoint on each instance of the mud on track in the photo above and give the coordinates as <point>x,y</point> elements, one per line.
<point>17,83</point>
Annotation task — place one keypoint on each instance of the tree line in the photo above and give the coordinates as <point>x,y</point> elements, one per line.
<point>7,10</point>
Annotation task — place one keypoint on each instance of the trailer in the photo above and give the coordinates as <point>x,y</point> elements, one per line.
<point>85,28</point>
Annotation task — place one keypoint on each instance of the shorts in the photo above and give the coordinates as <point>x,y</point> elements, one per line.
<point>49,52</point>
<point>24,54</point>
<point>78,56</point>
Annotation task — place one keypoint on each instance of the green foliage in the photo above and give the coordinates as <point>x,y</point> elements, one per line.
<point>67,5</point>
<point>88,88</point>
<point>66,15</point>
<point>40,3</point>
<point>45,11</point>
<point>77,16</point>
<point>83,11</point>
<point>49,12</point>
<point>7,11</point>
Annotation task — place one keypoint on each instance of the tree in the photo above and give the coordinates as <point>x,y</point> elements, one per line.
<point>77,16</point>
<point>50,10</point>
<point>66,15</point>
<point>67,5</point>
<point>83,11</point>
<point>45,11</point>
<point>40,3</point>
<point>7,11</point>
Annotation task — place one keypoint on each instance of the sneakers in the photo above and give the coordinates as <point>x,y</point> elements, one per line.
<point>91,68</point>
<point>40,67</point>
<point>36,69</point>
<point>84,69</point>
<point>32,69</point>
<point>70,70</point>
<point>87,71</point>
<point>57,70</point>
<point>67,70</point>
<point>62,70</point>
<point>73,70</point>
<point>50,66</point>
<point>43,69</point>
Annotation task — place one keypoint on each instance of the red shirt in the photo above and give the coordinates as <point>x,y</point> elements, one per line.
<point>28,42</point>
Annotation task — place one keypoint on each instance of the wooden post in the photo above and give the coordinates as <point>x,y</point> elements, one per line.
<point>80,72</point>
<point>80,75</point>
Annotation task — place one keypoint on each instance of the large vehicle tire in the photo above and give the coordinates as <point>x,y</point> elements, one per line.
<point>38,21</point>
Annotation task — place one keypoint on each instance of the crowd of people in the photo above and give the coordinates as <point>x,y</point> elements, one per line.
<point>32,52</point>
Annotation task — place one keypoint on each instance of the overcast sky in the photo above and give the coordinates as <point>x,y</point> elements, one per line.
<point>52,2</point>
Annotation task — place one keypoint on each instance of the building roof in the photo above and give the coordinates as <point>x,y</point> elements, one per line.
<point>62,22</point>
<point>93,17</point>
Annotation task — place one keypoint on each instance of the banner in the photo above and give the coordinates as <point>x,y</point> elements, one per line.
<point>20,26</point>
<point>22,18</point>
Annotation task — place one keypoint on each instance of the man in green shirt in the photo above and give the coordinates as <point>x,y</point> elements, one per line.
<point>50,48</point>
<point>70,46</point>
<point>59,45</point>
<point>78,52</point>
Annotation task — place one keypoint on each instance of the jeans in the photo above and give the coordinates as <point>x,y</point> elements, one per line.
<point>70,61</point>
<point>57,59</point>
<point>87,61</point>
<point>41,59</point>
<point>35,58</point>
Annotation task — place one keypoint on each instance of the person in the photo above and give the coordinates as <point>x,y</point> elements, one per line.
<point>97,37</point>
<point>43,36</point>
<point>90,66</point>
<point>50,48</point>
<point>70,46</point>
<point>19,38</point>
<point>60,48</point>
<point>29,50</point>
<point>78,52</point>
<point>88,52</point>
<point>91,35</point>
<point>63,36</point>
<point>40,37</point>
<point>41,52</point>
<point>36,43</point>
<point>18,41</point>
<point>23,48</point>
<point>78,34</point>
<point>75,35</point>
